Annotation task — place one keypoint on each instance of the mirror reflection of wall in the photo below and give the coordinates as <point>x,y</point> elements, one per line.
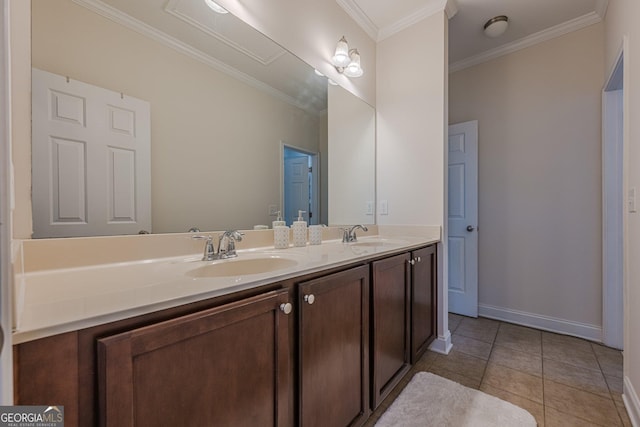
<point>351,159</point>
<point>215,134</point>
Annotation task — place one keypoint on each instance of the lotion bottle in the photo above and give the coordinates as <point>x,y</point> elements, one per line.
<point>278,222</point>
<point>299,230</point>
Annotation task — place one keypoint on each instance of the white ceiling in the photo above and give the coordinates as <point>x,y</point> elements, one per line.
<point>530,22</point>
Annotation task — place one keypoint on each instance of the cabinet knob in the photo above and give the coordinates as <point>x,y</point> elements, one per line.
<point>309,299</point>
<point>286,308</point>
<point>412,261</point>
<point>419,259</point>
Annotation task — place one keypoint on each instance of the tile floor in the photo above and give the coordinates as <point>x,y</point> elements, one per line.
<point>562,381</point>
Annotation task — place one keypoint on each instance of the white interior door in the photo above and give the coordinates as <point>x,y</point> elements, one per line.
<point>91,157</point>
<point>462,237</point>
<point>296,187</point>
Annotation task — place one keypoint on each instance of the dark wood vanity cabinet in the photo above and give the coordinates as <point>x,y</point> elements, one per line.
<point>239,359</point>
<point>333,357</point>
<point>390,314</point>
<point>226,366</point>
<point>423,300</point>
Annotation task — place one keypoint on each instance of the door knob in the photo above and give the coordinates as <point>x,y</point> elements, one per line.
<point>309,299</point>
<point>286,307</point>
<point>470,228</point>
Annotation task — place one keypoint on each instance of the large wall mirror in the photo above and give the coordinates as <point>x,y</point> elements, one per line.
<point>224,101</point>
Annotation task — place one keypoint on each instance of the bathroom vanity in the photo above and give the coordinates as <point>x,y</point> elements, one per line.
<point>319,343</point>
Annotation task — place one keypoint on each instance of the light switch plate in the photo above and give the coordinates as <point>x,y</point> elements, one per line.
<point>384,207</point>
<point>369,208</point>
<point>633,207</point>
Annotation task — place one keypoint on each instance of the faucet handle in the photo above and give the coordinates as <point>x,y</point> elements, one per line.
<point>228,249</point>
<point>209,251</point>
<point>345,235</point>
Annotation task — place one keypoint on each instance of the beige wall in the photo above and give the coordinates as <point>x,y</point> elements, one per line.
<point>411,90</point>
<point>21,116</point>
<point>622,21</point>
<point>539,115</point>
<point>215,141</point>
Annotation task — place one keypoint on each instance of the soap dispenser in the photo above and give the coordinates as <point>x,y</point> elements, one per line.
<point>299,230</point>
<point>278,222</point>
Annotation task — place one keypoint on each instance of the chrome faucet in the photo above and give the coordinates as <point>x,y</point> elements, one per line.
<point>209,253</point>
<point>227,244</point>
<point>349,234</point>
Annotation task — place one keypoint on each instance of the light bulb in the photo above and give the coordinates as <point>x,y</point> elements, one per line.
<point>354,69</point>
<point>216,7</point>
<point>341,56</point>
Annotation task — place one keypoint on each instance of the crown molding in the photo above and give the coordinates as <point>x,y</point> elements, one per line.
<point>432,7</point>
<point>539,37</point>
<point>140,27</point>
<point>601,8</point>
<point>361,18</point>
<point>172,9</point>
<point>451,8</point>
<point>379,34</point>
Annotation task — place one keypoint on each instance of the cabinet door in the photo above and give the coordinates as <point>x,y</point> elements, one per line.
<point>227,366</point>
<point>390,315</point>
<point>423,301</point>
<point>334,349</point>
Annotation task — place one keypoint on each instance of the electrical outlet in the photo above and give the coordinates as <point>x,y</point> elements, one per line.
<point>633,208</point>
<point>369,208</point>
<point>384,207</point>
<point>273,210</point>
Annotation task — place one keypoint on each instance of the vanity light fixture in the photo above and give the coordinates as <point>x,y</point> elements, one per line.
<point>216,7</point>
<point>346,61</point>
<point>496,26</point>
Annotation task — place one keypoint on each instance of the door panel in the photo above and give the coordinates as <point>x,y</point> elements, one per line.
<point>334,341</point>
<point>91,159</point>
<point>391,330</point>
<point>423,301</point>
<point>225,366</point>
<point>462,239</point>
<point>296,173</point>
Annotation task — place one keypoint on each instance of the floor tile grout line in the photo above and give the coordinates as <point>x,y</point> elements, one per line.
<point>608,395</point>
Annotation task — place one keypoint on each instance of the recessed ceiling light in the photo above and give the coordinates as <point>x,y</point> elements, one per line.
<point>216,7</point>
<point>496,26</point>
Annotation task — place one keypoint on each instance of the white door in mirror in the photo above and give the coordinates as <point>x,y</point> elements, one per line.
<point>91,159</point>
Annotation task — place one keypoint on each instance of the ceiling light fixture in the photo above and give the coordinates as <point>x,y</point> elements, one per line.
<point>216,7</point>
<point>496,26</point>
<point>347,61</point>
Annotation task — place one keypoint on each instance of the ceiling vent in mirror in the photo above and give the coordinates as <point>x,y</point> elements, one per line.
<point>346,61</point>
<point>216,7</point>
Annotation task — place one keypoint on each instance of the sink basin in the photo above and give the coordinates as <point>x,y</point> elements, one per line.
<point>242,267</point>
<point>378,243</point>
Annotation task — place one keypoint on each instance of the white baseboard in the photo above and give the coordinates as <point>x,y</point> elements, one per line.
<point>442,345</point>
<point>547,323</point>
<point>631,402</point>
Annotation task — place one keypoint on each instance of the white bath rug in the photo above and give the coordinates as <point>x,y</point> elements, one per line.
<point>430,400</point>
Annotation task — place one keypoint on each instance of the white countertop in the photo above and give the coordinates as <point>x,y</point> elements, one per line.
<point>54,301</point>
